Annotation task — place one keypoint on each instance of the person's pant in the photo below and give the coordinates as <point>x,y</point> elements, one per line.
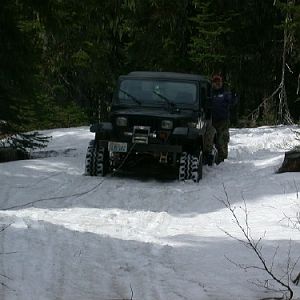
<point>209,139</point>
<point>222,128</point>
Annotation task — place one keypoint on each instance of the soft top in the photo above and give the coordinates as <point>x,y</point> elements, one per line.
<point>166,75</point>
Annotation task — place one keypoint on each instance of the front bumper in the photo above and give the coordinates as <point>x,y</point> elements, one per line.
<point>157,148</point>
<point>146,148</point>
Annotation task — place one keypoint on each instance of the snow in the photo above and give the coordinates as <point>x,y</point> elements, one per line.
<point>78,237</point>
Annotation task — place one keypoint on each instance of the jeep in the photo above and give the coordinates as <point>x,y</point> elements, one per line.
<point>162,114</point>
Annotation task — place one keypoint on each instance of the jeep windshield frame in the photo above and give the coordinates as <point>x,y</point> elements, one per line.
<point>153,92</point>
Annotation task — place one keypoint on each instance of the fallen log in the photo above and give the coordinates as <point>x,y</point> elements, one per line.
<point>291,162</point>
<point>10,154</point>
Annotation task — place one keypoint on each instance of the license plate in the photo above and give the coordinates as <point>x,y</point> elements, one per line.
<point>117,147</point>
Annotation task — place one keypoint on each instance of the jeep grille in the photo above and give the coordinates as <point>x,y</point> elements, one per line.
<point>154,124</point>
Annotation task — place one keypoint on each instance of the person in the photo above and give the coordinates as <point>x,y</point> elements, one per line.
<point>222,101</point>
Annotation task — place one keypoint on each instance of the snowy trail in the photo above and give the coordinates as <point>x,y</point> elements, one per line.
<point>80,237</point>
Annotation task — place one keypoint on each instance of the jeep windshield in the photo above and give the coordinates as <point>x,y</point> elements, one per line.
<point>153,92</point>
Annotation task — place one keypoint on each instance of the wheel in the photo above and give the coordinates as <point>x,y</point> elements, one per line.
<point>196,167</point>
<point>102,161</point>
<point>183,167</point>
<point>190,167</point>
<point>90,159</point>
<point>97,160</point>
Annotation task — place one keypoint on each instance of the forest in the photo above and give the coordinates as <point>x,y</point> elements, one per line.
<point>60,59</point>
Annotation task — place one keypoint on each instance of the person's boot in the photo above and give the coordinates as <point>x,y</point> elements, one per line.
<point>219,160</point>
<point>210,159</point>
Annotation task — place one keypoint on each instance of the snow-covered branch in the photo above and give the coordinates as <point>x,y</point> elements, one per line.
<point>255,245</point>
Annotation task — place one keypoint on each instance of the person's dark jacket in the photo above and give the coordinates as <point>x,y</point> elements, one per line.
<point>221,103</point>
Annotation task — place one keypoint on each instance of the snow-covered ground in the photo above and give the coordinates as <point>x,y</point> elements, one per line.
<point>74,237</point>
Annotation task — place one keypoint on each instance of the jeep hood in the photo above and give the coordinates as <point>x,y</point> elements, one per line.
<point>155,113</point>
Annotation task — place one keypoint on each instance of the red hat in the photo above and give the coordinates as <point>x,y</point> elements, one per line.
<point>217,78</point>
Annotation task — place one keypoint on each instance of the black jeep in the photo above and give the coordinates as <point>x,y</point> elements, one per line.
<point>165,115</point>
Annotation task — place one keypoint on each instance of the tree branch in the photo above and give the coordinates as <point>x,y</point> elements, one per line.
<point>249,242</point>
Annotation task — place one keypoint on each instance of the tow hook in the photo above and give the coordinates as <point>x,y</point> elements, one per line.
<point>163,157</point>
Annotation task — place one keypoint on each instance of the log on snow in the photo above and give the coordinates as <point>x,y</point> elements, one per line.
<point>291,162</point>
<point>10,154</point>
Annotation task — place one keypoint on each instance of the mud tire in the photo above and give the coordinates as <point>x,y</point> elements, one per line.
<point>97,160</point>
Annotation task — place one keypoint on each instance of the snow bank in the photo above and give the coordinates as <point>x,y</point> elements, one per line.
<point>78,237</point>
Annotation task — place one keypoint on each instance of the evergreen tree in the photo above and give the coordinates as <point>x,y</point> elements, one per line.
<point>19,59</point>
<point>157,36</point>
<point>60,59</point>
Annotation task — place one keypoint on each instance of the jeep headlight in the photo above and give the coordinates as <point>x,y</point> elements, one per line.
<point>121,121</point>
<point>167,124</point>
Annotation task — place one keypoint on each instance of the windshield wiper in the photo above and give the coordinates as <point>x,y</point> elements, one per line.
<point>131,97</point>
<point>167,100</point>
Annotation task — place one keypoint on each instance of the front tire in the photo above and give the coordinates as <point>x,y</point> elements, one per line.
<point>197,167</point>
<point>184,166</point>
<point>190,167</point>
<point>97,160</point>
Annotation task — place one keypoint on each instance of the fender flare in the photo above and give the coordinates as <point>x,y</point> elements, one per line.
<point>103,127</point>
<point>186,132</point>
